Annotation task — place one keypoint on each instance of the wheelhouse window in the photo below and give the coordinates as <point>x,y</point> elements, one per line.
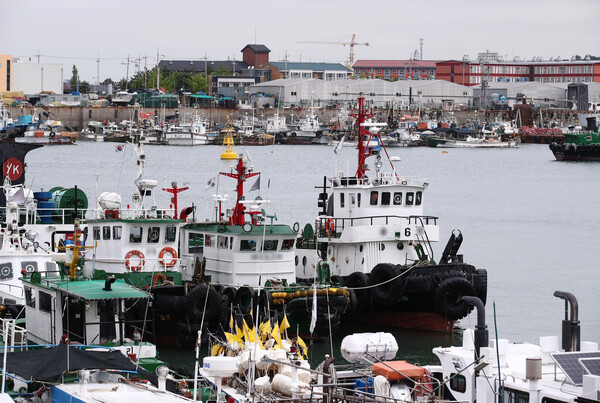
<point>135,234</point>
<point>341,200</point>
<point>458,383</point>
<point>153,234</point>
<point>385,198</point>
<point>117,231</point>
<point>195,243</point>
<point>515,396</point>
<point>248,244</point>
<point>270,244</point>
<point>397,198</point>
<point>96,231</point>
<point>222,242</point>
<point>410,198</point>
<point>45,302</point>
<point>170,233</point>
<point>418,199</point>
<point>105,233</point>
<point>29,298</point>
<point>287,244</point>
<point>374,198</point>
<point>209,241</point>
<point>358,196</point>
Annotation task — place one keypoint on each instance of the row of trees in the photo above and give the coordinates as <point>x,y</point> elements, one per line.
<point>170,81</point>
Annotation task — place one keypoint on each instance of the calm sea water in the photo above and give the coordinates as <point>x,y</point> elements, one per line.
<point>531,221</point>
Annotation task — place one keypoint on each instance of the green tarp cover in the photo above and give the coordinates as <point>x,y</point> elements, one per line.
<point>93,290</point>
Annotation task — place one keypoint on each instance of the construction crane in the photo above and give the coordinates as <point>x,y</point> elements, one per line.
<point>352,43</point>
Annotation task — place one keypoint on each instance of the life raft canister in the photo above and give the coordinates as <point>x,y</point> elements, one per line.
<point>141,257</point>
<point>168,263</point>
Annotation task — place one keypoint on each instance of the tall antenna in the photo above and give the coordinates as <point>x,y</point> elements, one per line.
<point>421,53</point>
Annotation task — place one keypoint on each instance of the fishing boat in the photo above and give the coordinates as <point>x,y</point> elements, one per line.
<point>484,369</point>
<point>123,98</point>
<point>251,260</point>
<point>579,145</point>
<point>373,233</point>
<point>307,130</point>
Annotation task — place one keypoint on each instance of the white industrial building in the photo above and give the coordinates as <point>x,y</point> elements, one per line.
<point>299,92</point>
<point>33,78</point>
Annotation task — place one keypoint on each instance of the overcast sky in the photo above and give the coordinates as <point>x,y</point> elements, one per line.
<point>80,31</point>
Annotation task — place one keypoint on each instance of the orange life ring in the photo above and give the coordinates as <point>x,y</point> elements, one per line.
<point>159,276</point>
<point>329,226</point>
<point>128,264</point>
<point>163,261</point>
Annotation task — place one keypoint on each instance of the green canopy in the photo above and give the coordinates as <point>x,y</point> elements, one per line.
<point>93,290</point>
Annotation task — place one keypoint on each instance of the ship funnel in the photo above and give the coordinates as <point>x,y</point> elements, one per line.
<point>481,332</point>
<point>570,327</point>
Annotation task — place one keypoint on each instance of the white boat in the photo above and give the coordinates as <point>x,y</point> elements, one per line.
<point>185,135</point>
<point>373,231</point>
<point>276,124</point>
<point>477,142</point>
<point>307,130</point>
<point>483,371</point>
<point>122,98</point>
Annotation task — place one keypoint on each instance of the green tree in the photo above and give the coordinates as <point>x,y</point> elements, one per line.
<point>198,83</point>
<point>222,71</point>
<point>74,77</point>
<point>84,87</point>
<point>108,81</point>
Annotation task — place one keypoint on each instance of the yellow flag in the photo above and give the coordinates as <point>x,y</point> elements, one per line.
<point>284,324</point>
<point>231,338</point>
<point>215,350</point>
<point>246,331</point>
<point>266,327</point>
<point>239,333</point>
<point>276,334</point>
<point>302,345</point>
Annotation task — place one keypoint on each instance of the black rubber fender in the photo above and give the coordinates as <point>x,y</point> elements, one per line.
<point>384,294</point>
<point>339,280</point>
<point>194,303</point>
<point>244,298</point>
<point>447,297</point>
<point>356,280</point>
<point>224,314</point>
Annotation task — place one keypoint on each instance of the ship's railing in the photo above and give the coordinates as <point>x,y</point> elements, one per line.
<point>13,334</point>
<point>332,227</point>
<point>58,216</point>
<point>151,265</point>
<point>383,178</point>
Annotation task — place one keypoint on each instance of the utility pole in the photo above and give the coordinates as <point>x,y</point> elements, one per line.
<point>421,52</point>
<point>157,73</point>
<point>145,70</point>
<point>286,73</point>
<point>38,56</point>
<point>127,74</point>
<point>97,71</point>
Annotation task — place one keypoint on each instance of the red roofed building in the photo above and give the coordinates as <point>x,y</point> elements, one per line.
<point>396,69</point>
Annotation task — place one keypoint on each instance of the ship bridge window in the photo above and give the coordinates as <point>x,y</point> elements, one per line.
<point>45,302</point>
<point>341,199</point>
<point>358,200</point>
<point>153,234</point>
<point>374,197</point>
<point>105,233</point>
<point>270,244</point>
<point>135,234</point>
<point>117,231</point>
<point>419,198</point>
<point>195,243</point>
<point>410,198</point>
<point>397,198</point>
<point>385,198</point>
<point>458,383</point>
<point>29,298</point>
<point>287,244</point>
<point>248,244</point>
<point>515,396</point>
<point>96,232</point>
<point>170,233</point>
<point>222,242</point>
<point>550,400</point>
<point>209,241</point>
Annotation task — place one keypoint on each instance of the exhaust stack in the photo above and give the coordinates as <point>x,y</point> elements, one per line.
<point>482,338</point>
<point>570,327</point>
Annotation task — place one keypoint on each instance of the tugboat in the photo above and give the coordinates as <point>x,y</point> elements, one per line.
<point>250,261</point>
<point>377,240</point>
<point>579,145</point>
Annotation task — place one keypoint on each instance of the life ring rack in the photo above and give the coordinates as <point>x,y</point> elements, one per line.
<point>137,267</point>
<point>329,226</point>
<point>163,261</point>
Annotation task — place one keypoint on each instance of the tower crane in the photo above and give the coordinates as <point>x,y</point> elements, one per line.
<point>351,44</point>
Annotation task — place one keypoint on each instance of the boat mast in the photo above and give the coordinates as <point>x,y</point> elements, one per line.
<point>241,174</point>
<point>363,136</point>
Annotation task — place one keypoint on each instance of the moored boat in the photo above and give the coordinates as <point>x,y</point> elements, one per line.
<point>377,240</point>
<point>579,145</point>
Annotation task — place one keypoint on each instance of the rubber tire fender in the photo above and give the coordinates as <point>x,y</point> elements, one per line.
<point>194,303</point>
<point>244,298</point>
<point>359,279</point>
<point>447,297</point>
<point>386,294</point>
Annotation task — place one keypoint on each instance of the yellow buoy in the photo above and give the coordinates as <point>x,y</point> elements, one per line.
<point>228,152</point>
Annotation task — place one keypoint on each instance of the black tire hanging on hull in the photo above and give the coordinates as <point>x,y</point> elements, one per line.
<point>195,303</point>
<point>385,291</point>
<point>359,280</point>
<point>447,298</point>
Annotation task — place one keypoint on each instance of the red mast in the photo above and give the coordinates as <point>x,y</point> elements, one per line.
<point>237,218</point>
<point>174,190</point>
<point>364,136</point>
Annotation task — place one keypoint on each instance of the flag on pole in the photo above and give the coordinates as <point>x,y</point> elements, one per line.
<point>256,185</point>
<point>120,148</point>
<point>210,184</point>
<point>275,334</point>
<point>284,324</point>
<point>339,145</point>
<point>313,319</point>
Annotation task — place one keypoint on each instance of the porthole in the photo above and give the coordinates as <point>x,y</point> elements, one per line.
<point>381,247</point>
<point>400,246</point>
<point>297,261</point>
<point>360,248</point>
<point>304,261</point>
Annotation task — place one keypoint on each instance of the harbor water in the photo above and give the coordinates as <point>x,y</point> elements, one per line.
<point>530,221</point>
